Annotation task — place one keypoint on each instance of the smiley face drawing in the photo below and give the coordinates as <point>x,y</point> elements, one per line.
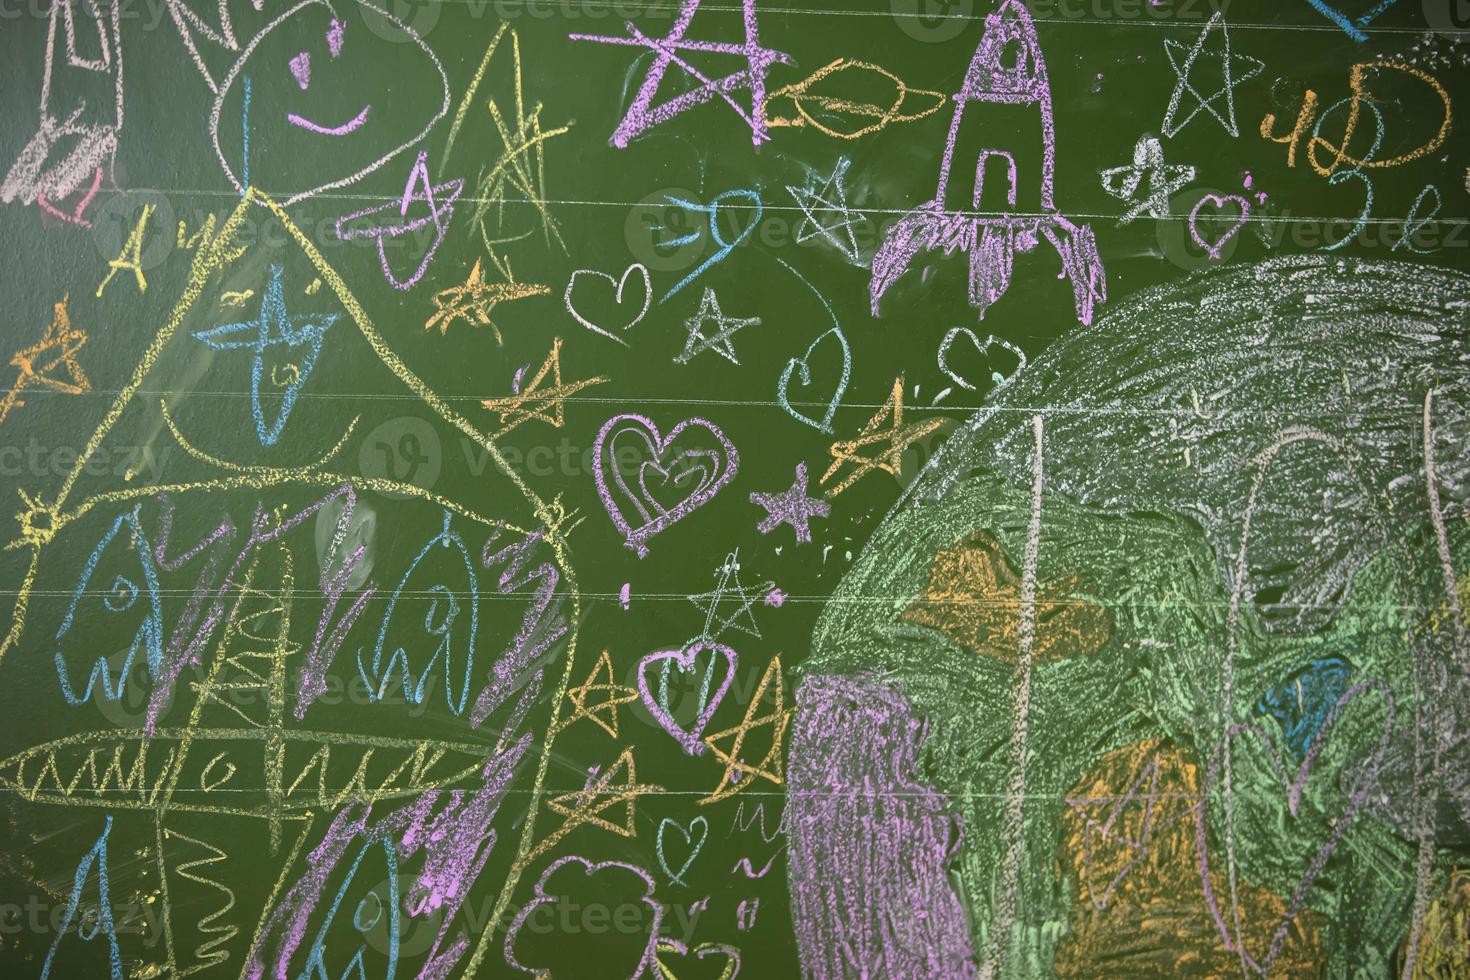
<point>292,117</point>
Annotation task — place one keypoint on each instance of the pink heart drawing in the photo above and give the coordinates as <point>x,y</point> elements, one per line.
<point>686,660</point>
<point>1219,202</point>
<point>690,477</point>
<point>1294,785</point>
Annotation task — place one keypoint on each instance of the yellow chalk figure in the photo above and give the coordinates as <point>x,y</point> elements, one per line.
<point>241,727</point>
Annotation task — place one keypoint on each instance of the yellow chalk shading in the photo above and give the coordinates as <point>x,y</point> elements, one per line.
<point>973,596</point>
<point>1128,848</point>
<point>1444,941</point>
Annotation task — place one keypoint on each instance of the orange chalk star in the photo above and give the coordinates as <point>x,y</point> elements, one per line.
<point>602,682</point>
<point>531,401</point>
<point>586,805</point>
<point>738,773</point>
<point>885,427</point>
<point>49,363</point>
<point>473,301</point>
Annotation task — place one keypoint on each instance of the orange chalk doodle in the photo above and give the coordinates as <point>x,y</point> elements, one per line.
<point>974,597</point>
<point>473,301</point>
<point>817,105</point>
<point>586,805</point>
<point>885,427</point>
<point>1310,120</point>
<point>552,401</point>
<point>1127,835</point>
<point>49,363</point>
<point>1444,944</point>
<point>739,773</point>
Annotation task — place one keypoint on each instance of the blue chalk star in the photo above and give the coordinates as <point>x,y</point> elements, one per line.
<point>273,328</point>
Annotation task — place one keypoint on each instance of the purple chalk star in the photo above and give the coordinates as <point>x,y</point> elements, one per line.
<point>791,506</point>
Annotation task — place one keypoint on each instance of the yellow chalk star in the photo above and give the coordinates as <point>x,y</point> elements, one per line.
<point>615,694</point>
<point>51,362</point>
<point>586,805</point>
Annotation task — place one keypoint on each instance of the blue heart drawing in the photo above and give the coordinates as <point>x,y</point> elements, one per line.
<point>800,364</point>
<point>687,832</point>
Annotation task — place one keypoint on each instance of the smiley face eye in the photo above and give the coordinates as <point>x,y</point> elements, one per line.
<point>301,69</point>
<point>334,37</point>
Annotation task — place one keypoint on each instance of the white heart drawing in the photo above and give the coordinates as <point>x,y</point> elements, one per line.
<point>618,297</point>
<point>984,348</point>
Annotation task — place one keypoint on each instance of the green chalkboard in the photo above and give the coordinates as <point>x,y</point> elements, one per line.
<point>690,489</point>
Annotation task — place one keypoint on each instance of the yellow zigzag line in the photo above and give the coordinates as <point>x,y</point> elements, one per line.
<point>207,952</point>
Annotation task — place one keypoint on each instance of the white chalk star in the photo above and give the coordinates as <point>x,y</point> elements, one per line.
<point>826,214</point>
<point>725,328</point>
<point>741,620</point>
<point>1163,181</point>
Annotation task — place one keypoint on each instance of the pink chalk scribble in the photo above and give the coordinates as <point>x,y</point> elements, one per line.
<point>871,844</point>
<point>687,662</point>
<point>300,66</point>
<point>1007,69</point>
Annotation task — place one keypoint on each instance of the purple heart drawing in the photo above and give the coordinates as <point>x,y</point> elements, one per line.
<point>1293,785</point>
<point>687,478</point>
<point>686,660</point>
<point>1219,202</point>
